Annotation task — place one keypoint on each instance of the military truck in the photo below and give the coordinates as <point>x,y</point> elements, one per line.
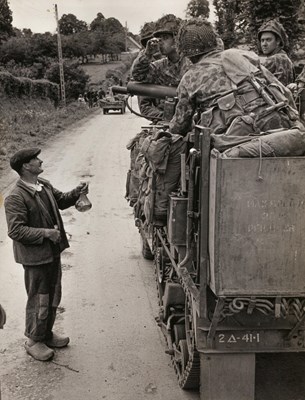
<point>229,266</point>
<point>113,103</point>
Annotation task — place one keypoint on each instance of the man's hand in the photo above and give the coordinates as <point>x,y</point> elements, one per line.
<point>53,235</point>
<point>83,187</point>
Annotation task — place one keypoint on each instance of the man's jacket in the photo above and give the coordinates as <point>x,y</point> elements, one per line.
<point>27,217</point>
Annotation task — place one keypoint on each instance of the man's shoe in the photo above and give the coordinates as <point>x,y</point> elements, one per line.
<point>39,351</point>
<point>58,341</point>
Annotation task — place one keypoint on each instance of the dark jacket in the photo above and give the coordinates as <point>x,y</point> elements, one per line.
<point>27,217</point>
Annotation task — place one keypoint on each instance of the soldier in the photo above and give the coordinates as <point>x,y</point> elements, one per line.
<point>223,84</point>
<point>168,70</point>
<point>149,107</point>
<point>299,82</point>
<point>273,40</point>
<point>165,71</point>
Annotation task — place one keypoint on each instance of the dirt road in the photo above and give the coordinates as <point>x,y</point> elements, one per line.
<point>109,301</point>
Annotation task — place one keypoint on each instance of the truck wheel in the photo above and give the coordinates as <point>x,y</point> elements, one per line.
<point>146,252</point>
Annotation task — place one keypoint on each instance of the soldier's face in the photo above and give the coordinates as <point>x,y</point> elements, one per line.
<point>167,43</point>
<point>269,42</point>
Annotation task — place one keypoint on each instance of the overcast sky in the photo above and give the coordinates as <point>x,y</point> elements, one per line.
<point>38,15</point>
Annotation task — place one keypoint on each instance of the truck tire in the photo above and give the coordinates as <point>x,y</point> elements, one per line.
<point>146,252</point>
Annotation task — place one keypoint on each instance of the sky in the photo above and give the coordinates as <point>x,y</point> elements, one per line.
<point>39,15</point>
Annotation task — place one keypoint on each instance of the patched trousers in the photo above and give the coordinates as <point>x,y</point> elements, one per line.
<point>43,287</point>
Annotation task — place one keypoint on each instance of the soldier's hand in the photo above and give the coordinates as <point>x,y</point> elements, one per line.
<point>152,47</point>
<point>292,86</point>
<point>53,235</point>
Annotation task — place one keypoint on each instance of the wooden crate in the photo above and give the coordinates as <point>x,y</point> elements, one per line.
<point>257,226</point>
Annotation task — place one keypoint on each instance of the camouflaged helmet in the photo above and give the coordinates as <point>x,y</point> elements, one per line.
<point>196,37</point>
<point>277,28</point>
<point>167,24</point>
<point>147,32</point>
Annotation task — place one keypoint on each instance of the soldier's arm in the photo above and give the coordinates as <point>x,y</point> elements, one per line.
<point>149,109</point>
<point>145,70</point>
<point>181,122</point>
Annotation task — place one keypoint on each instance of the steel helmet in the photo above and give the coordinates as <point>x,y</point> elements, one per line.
<point>167,24</point>
<point>196,37</point>
<point>277,29</point>
<point>147,32</point>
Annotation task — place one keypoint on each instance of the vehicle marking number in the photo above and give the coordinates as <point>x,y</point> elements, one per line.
<point>236,338</point>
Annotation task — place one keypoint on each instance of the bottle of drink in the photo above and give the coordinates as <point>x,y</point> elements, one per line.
<point>83,203</point>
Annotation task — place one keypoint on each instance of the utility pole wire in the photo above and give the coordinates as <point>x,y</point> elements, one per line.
<point>60,62</point>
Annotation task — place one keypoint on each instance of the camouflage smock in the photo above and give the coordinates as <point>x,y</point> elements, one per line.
<point>160,72</point>
<point>280,65</point>
<point>205,79</point>
<point>301,77</point>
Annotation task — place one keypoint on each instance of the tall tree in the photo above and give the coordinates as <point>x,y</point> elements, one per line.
<point>227,12</point>
<point>98,22</point>
<point>69,24</point>
<point>6,28</point>
<point>198,8</point>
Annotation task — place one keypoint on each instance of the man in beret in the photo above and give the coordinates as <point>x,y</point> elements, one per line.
<point>36,228</point>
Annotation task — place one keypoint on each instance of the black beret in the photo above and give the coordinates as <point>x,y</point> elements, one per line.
<point>23,156</point>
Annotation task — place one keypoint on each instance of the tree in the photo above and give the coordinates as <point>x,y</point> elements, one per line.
<point>6,28</point>
<point>69,24</point>
<point>75,78</point>
<point>227,12</point>
<point>198,8</point>
<point>98,22</point>
<point>79,45</point>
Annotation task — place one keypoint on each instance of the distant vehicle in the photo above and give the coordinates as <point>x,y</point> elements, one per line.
<point>114,103</point>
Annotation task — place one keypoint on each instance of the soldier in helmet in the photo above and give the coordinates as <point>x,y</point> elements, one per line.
<point>149,107</point>
<point>168,70</point>
<point>227,85</point>
<point>273,40</point>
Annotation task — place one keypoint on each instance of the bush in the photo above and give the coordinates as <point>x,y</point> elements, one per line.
<point>75,78</point>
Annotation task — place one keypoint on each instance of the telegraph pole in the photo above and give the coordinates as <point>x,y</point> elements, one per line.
<point>60,62</point>
<point>126,30</point>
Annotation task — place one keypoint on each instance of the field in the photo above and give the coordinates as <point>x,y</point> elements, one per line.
<point>97,70</point>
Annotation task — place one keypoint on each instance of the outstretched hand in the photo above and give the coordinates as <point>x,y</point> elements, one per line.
<point>83,188</point>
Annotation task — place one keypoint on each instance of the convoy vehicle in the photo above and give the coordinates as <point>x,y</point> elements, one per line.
<point>229,266</point>
<point>113,103</point>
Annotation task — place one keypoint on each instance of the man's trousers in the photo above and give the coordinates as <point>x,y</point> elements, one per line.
<point>43,287</point>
